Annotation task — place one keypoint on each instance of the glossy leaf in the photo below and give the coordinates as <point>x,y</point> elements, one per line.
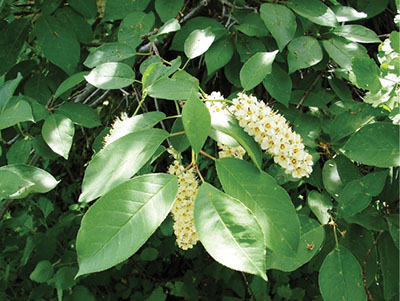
<point>320,204</point>
<point>256,69</point>
<point>269,202</point>
<point>304,52</point>
<point>315,11</point>
<point>343,51</point>
<point>167,9</point>
<point>19,152</point>
<point>198,42</point>
<point>171,25</point>
<point>357,33</point>
<point>121,221</point>
<point>347,13</point>
<point>119,9</point>
<point>366,74</point>
<point>7,89</point>
<point>353,199</point>
<point>15,113</point>
<point>111,76</point>
<point>311,238</point>
<point>280,21</point>
<point>119,161</point>
<point>252,25</point>
<point>80,114</point>
<point>30,179</point>
<point>393,224</point>
<point>340,276</point>
<point>70,83</point>
<point>279,85</point>
<point>179,142</point>
<point>375,144</point>
<point>58,132</point>
<point>58,43</point>
<point>85,7</point>
<point>172,88</point>
<point>230,126</point>
<point>219,54</point>
<point>216,217</point>
<point>196,121</point>
<point>42,272</point>
<point>389,262</point>
<point>135,24</point>
<point>109,52</point>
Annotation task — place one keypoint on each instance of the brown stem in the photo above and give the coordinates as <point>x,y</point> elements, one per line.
<point>208,155</point>
<point>365,264</point>
<point>308,91</point>
<point>248,287</point>
<point>198,172</point>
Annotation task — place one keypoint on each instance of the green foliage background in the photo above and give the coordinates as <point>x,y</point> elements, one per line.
<point>69,68</point>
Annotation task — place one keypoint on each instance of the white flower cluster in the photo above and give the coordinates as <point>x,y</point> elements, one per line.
<point>182,210</point>
<point>273,133</point>
<point>221,107</point>
<point>230,151</point>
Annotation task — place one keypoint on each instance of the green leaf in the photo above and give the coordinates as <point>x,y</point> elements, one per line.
<point>42,272</point>
<point>154,72</point>
<point>374,182</point>
<point>370,219</point>
<point>353,199</point>
<point>340,276</point>
<point>347,13</point>
<point>12,39</point>
<point>70,83</point>
<point>389,262</point>
<point>320,204</point>
<point>357,33</point>
<point>172,88</point>
<point>119,161</point>
<point>86,8</point>
<point>109,52</point>
<point>12,184</point>
<point>336,173</point>
<point>393,223</point>
<point>246,47</point>
<point>366,74</point>
<point>179,142</point>
<point>343,51</point>
<point>372,7</point>
<point>58,43</point>
<point>340,88</point>
<point>230,126</point>
<point>19,152</point>
<point>219,54</point>
<point>167,9</point>
<point>280,21</point>
<point>136,123</point>
<point>7,90</point>
<point>69,18</point>
<point>196,121</point>
<point>304,52</point>
<point>269,202</point>
<point>58,132</point>
<point>171,25</point>
<point>216,218</point>
<point>17,112</point>
<point>311,238</point>
<point>252,25</point>
<point>121,221</point>
<point>198,42</point>
<point>133,26</point>
<point>256,69</point>
<point>315,11</point>
<point>279,85</point>
<point>375,144</point>
<point>80,114</point>
<point>30,179</point>
<point>111,76</point>
<point>119,9</point>
<point>197,23</point>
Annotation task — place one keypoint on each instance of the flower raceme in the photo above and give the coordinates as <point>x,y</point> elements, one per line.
<point>272,131</point>
<point>182,209</point>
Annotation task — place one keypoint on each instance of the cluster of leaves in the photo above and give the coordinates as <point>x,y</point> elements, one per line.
<point>69,67</point>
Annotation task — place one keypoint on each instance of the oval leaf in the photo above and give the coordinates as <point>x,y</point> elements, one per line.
<point>58,132</point>
<point>269,202</point>
<point>196,122</point>
<point>280,21</point>
<point>15,113</point>
<point>256,69</point>
<point>304,52</point>
<point>315,11</point>
<point>198,42</point>
<point>69,83</point>
<point>111,76</point>
<point>375,144</point>
<point>109,52</point>
<point>340,276</point>
<point>121,221</point>
<point>80,114</point>
<point>119,161</point>
<point>229,231</point>
<point>279,84</point>
<point>357,33</point>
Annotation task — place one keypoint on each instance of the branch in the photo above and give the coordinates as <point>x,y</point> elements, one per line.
<point>308,91</point>
<point>365,264</point>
